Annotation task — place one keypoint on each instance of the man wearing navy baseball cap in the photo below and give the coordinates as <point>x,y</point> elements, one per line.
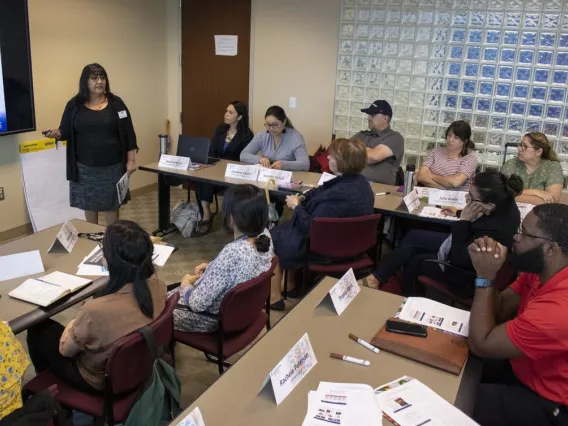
<point>385,147</point>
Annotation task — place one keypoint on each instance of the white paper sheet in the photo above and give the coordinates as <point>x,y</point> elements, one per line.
<point>412,201</point>
<point>37,292</point>
<point>122,187</point>
<point>20,265</point>
<point>161,254</point>
<point>325,177</point>
<point>226,45</point>
<point>193,419</point>
<point>435,213</point>
<point>447,198</point>
<point>91,270</point>
<point>410,403</point>
<point>525,209</point>
<point>344,291</point>
<point>427,312</point>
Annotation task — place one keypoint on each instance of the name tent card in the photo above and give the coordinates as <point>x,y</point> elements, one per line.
<point>291,369</point>
<point>174,162</point>
<point>344,291</point>
<point>279,175</point>
<point>412,201</point>
<point>65,239</point>
<point>325,177</point>
<point>447,198</point>
<point>238,171</point>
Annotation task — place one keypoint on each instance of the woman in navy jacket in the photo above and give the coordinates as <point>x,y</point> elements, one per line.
<point>347,195</point>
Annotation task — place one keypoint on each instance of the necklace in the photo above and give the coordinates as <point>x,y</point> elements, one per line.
<point>99,106</point>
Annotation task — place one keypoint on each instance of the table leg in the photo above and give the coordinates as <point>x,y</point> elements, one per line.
<point>163,206</point>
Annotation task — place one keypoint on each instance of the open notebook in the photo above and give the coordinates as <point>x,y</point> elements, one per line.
<point>43,291</point>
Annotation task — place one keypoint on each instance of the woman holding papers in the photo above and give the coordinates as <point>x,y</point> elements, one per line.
<point>490,211</point>
<point>132,299</point>
<point>537,165</point>
<point>347,195</point>
<point>101,145</point>
<point>229,140</point>
<point>451,167</point>
<point>245,210</point>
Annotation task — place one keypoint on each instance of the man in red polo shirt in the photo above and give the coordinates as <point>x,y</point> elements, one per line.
<point>523,332</point>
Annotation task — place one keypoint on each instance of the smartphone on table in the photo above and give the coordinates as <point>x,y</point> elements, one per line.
<point>410,329</point>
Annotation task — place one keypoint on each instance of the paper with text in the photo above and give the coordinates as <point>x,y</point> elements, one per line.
<point>420,310</point>
<point>265,174</point>
<point>239,171</point>
<point>174,162</point>
<point>122,187</point>
<point>423,192</point>
<point>525,209</point>
<point>435,213</point>
<point>325,177</point>
<point>193,419</point>
<point>226,45</point>
<point>292,369</point>
<point>408,402</point>
<point>20,265</point>
<point>92,270</point>
<point>440,197</point>
<point>162,253</point>
<point>344,291</point>
<point>412,201</point>
<point>46,290</point>
<point>66,238</point>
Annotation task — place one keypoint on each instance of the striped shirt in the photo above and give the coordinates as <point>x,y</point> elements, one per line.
<point>441,165</point>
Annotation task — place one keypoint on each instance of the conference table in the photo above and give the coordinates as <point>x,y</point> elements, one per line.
<point>21,315</point>
<point>236,398</point>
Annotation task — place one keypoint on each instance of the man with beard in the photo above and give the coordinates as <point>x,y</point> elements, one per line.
<point>523,332</point>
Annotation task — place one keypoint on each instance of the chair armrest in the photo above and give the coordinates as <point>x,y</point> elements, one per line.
<point>204,313</point>
<point>450,266</point>
<point>172,286</point>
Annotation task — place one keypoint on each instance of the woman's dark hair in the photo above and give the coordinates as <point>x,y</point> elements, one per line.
<point>88,71</point>
<point>496,188</point>
<point>128,253</point>
<point>242,110</point>
<point>462,130</point>
<point>280,114</point>
<point>247,205</point>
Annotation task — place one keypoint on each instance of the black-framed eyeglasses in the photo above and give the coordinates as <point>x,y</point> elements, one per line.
<point>97,237</point>
<point>473,199</point>
<point>522,233</point>
<point>272,125</point>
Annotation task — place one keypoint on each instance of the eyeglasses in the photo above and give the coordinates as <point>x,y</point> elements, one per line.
<point>471,198</point>
<point>522,233</point>
<point>524,147</point>
<point>97,77</point>
<point>272,125</point>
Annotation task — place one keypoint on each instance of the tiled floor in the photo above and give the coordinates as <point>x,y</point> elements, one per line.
<point>195,373</point>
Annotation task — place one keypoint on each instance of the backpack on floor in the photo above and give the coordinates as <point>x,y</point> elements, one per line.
<point>185,216</point>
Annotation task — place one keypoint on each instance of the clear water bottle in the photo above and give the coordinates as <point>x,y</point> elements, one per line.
<point>409,178</point>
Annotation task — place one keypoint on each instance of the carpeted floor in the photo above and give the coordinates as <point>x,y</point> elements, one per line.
<point>195,372</point>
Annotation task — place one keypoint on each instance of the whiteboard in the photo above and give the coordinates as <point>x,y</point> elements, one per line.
<point>45,184</point>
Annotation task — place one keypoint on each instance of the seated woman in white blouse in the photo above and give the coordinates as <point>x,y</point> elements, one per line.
<point>245,210</point>
<point>451,167</point>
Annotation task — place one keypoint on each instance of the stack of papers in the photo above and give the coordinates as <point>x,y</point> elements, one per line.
<point>427,312</point>
<point>343,404</point>
<point>408,402</point>
<point>45,290</point>
<point>435,213</point>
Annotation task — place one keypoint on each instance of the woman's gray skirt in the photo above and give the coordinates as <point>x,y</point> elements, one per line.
<point>95,189</point>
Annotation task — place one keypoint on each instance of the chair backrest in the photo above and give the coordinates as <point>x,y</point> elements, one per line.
<point>344,238</point>
<point>399,179</point>
<point>243,304</point>
<point>130,363</point>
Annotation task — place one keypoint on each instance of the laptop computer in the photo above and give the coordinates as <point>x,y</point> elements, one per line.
<point>197,149</point>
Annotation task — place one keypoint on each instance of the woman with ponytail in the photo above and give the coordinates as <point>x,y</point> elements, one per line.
<point>491,211</point>
<point>538,167</point>
<point>245,211</point>
<point>132,299</point>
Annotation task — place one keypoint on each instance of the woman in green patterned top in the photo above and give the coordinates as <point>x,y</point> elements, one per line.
<point>538,166</point>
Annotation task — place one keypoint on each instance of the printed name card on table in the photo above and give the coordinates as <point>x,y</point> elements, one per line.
<point>291,369</point>
<point>447,198</point>
<point>325,177</point>
<point>174,162</point>
<point>65,239</point>
<point>344,291</point>
<point>278,175</point>
<point>238,171</point>
<point>412,201</point>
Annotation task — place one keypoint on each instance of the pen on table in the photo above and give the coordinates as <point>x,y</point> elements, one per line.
<point>350,359</point>
<point>363,343</point>
<point>382,193</point>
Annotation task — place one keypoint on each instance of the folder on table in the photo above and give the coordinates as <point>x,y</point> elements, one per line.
<point>445,351</point>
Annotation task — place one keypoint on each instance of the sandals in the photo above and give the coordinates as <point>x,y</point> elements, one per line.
<point>207,223</point>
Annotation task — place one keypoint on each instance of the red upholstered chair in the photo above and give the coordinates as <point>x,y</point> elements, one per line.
<point>505,277</point>
<point>348,242</point>
<point>127,369</point>
<point>244,312</point>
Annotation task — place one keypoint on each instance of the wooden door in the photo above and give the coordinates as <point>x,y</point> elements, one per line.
<point>211,82</point>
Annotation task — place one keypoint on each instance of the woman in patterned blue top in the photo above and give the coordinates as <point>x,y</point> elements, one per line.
<point>245,210</point>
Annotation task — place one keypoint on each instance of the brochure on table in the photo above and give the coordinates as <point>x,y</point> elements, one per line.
<point>420,310</point>
<point>239,171</point>
<point>174,162</point>
<point>439,197</point>
<point>408,402</point>
<point>20,265</point>
<point>344,291</point>
<point>290,371</point>
<point>66,238</point>
<point>44,291</point>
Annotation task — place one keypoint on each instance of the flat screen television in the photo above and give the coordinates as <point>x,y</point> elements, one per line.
<point>17,112</point>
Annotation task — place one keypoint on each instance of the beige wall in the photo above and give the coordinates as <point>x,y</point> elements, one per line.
<point>128,37</point>
<point>295,54</point>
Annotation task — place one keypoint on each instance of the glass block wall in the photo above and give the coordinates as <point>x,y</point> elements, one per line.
<point>501,65</point>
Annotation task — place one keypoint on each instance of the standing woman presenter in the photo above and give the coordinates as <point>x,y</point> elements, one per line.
<point>101,145</point>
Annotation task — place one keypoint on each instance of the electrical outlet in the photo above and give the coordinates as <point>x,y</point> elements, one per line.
<point>1,193</point>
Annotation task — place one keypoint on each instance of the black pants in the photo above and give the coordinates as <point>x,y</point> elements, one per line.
<point>417,246</point>
<point>504,401</point>
<point>205,192</point>
<point>43,346</point>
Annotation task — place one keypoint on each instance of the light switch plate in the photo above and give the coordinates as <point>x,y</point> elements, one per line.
<point>292,102</point>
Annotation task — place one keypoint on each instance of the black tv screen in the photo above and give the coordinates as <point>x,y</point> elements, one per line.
<point>16,88</point>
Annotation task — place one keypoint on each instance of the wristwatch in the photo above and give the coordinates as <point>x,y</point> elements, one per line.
<point>482,283</point>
